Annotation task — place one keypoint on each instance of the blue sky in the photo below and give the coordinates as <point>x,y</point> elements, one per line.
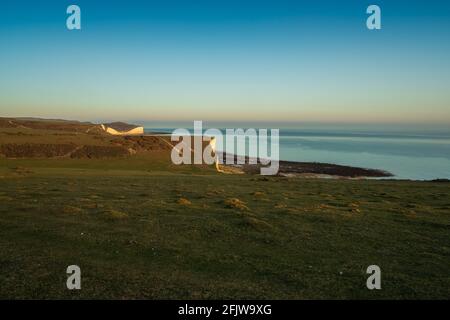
<point>227,60</point>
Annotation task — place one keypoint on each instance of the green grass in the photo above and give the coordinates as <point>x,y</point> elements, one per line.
<point>146,229</point>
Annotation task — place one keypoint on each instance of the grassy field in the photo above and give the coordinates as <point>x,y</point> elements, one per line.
<point>142,228</point>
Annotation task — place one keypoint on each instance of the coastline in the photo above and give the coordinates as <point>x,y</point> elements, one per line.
<point>311,169</point>
<point>400,154</point>
<point>57,139</point>
<point>299,168</point>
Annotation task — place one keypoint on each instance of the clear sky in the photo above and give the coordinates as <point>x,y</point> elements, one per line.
<point>220,60</point>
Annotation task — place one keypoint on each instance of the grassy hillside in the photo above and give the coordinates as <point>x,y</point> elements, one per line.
<point>46,139</point>
<point>143,228</point>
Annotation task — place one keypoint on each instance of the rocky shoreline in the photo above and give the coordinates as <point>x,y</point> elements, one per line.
<point>312,169</point>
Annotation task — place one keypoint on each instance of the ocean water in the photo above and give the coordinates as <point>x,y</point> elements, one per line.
<point>417,155</point>
<point>406,155</point>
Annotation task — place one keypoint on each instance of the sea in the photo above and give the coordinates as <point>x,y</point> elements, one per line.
<point>408,152</point>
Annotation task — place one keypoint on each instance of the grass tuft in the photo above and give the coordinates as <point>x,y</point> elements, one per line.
<point>72,210</point>
<point>115,214</point>
<point>184,202</point>
<point>235,203</point>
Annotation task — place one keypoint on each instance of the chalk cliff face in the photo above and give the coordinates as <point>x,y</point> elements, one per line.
<point>122,129</point>
<point>135,131</point>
